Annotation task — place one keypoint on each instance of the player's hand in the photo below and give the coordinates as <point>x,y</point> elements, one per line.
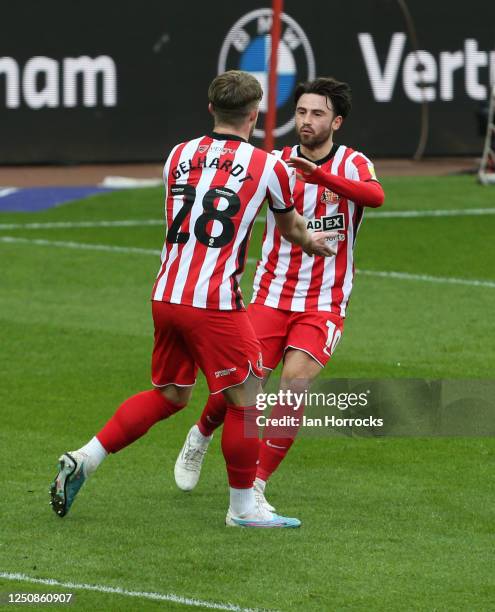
<point>303,167</point>
<point>322,243</point>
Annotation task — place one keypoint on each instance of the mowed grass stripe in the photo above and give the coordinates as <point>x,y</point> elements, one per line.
<point>394,214</point>
<point>427,278</point>
<point>155,252</point>
<point>81,224</point>
<point>79,245</point>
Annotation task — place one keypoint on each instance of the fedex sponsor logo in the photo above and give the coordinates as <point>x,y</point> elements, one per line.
<point>326,224</point>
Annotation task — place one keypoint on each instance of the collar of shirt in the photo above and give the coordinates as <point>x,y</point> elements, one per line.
<point>218,136</point>
<point>321,161</point>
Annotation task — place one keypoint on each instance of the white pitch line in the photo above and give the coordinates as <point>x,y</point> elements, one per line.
<point>428,279</point>
<point>100,588</point>
<point>417,214</point>
<point>404,214</point>
<point>85,246</point>
<point>76,224</point>
<point>409,214</point>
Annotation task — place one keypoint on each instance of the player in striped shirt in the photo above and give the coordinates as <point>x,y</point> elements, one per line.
<point>215,186</point>
<point>299,303</point>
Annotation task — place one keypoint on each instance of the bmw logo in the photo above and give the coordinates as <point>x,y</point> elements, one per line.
<point>247,47</point>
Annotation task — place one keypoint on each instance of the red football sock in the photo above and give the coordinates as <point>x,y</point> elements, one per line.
<point>213,414</point>
<point>240,445</point>
<point>277,441</point>
<point>134,417</point>
<point>271,453</point>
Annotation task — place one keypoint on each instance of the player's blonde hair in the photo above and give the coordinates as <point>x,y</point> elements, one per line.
<point>233,95</point>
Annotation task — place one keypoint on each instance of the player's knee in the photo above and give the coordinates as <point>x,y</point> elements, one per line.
<point>299,370</point>
<point>296,380</point>
<point>244,394</point>
<point>177,395</point>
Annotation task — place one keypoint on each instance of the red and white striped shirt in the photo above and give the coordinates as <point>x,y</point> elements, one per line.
<point>288,279</point>
<point>214,188</point>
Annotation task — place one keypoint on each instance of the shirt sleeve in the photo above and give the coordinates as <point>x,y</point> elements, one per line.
<point>362,168</point>
<point>362,192</point>
<point>280,188</point>
<point>166,167</point>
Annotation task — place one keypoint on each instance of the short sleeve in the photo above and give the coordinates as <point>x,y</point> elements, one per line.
<point>166,167</point>
<point>280,187</point>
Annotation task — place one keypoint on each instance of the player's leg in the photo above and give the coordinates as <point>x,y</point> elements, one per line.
<point>189,462</point>
<point>187,469</point>
<point>298,372</point>
<point>270,327</point>
<point>312,337</point>
<point>173,375</point>
<point>132,420</point>
<point>240,447</point>
<point>228,352</point>
<point>240,444</point>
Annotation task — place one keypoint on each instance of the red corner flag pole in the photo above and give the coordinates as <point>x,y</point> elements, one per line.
<point>271,115</point>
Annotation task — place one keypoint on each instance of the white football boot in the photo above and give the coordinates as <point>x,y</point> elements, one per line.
<point>188,465</point>
<point>260,517</point>
<point>259,493</point>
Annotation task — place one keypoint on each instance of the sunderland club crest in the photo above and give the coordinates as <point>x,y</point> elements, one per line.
<point>329,197</point>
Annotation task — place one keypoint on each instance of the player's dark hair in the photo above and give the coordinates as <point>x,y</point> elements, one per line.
<point>233,95</point>
<point>337,92</point>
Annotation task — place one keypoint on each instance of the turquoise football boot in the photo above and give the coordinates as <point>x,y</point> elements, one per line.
<point>69,480</point>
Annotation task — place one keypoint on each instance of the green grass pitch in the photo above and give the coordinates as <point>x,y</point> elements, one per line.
<point>388,524</point>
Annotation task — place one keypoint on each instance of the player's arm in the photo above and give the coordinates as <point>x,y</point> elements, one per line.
<point>293,228</point>
<point>289,222</point>
<point>363,192</point>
